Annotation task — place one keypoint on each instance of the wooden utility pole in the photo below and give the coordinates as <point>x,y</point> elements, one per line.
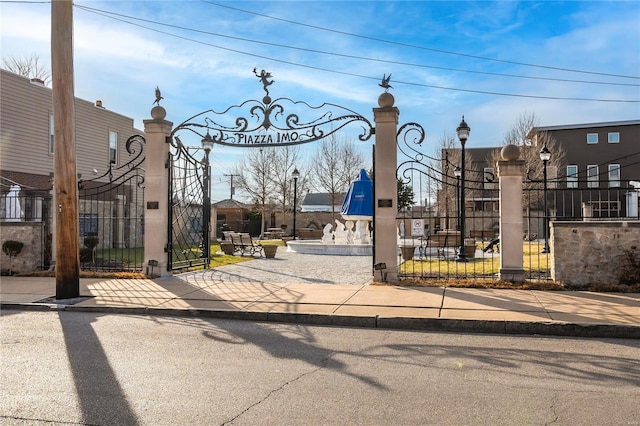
<point>65,173</point>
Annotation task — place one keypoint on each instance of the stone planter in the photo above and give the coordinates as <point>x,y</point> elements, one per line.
<point>226,247</point>
<point>407,252</point>
<point>270,250</point>
<point>470,251</point>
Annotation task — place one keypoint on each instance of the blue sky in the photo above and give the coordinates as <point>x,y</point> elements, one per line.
<point>461,53</point>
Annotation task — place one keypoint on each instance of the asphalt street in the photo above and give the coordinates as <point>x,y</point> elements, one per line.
<point>104,369</point>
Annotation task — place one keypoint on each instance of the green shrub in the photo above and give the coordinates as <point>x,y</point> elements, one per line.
<point>12,249</point>
<point>91,242</point>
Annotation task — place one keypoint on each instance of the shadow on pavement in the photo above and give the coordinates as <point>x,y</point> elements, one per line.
<point>101,398</point>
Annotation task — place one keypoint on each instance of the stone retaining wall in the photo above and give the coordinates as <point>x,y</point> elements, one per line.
<point>29,234</point>
<point>584,253</point>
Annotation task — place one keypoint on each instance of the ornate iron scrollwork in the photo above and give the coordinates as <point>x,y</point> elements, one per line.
<point>132,169</point>
<point>410,136</point>
<point>278,122</point>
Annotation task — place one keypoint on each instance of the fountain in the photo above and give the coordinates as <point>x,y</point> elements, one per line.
<point>344,241</point>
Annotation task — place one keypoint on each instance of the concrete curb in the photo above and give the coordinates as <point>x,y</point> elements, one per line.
<point>619,331</point>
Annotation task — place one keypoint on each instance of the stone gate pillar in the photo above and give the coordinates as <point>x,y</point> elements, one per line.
<point>386,190</point>
<point>511,173</point>
<point>156,234</point>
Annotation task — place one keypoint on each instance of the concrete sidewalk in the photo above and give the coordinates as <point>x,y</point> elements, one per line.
<point>329,290</point>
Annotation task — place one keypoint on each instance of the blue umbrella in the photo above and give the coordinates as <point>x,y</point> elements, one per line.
<point>358,203</point>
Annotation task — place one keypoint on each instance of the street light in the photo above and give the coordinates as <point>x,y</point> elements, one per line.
<point>457,172</point>
<point>545,156</point>
<point>207,145</point>
<point>296,175</point>
<point>463,134</point>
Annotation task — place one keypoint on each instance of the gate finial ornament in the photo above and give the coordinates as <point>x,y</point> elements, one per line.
<point>263,76</point>
<point>158,96</point>
<point>385,82</point>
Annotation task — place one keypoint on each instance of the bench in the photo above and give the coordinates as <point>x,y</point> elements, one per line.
<point>243,243</point>
<point>310,234</point>
<point>441,241</point>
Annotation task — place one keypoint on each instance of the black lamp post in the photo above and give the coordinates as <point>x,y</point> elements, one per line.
<point>296,175</point>
<point>457,172</point>
<point>207,145</point>
<point>545,156</point>
<point>463,134</point>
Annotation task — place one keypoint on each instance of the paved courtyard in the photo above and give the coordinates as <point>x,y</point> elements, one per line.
<point>292,268</point>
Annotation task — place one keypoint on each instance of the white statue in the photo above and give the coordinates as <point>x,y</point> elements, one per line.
<point>12,205</point>
<point>340,234</point>
<point>362,232</point>
<point>349,225</point>
<point>327,235</point>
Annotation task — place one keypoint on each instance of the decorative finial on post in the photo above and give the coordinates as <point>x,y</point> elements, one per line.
<point>385,82</point>
<point>263,76</point>
<point>158,96</point>
<point>157,112</point>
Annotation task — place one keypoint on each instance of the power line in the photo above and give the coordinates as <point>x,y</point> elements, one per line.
<point>363,58</point>
<point>354,74</point>
<point>416,46</point>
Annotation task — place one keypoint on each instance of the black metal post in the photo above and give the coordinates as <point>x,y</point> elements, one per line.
<point>458,199</point>
<point>544,202</point>
<point>463,133</point>
<point>206,216</point>
<point>207,145</point>
<point>295,199</point>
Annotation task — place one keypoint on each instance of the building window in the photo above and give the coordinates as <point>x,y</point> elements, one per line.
<point>113,147</point>
<point>592,176</point>
<point>51,133</point>
<point>614,137</point>
<point>572,176</point>
<point>614,175</point>
<point>88,224</point>
<point>592,138</point>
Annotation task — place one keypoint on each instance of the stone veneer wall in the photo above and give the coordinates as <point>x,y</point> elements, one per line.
<point>584,253</point>
<point>28,233</point>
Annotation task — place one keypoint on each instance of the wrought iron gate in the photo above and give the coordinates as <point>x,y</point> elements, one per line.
<point>112,214</point>
<point>188,208</point>
<point>431,242</point>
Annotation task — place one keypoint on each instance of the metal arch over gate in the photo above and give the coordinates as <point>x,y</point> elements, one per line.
<point>269,123</point>
<point>251,124</point>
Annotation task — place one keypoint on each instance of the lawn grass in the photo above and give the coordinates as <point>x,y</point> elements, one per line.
<point>483,266</point>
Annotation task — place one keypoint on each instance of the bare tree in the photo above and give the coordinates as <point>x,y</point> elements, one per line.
<point>28,66</point>
<point>530,143</point>
<point>255,177</point>
<point>443,169</point>
<point>286,159</point>
<point>334,165</point>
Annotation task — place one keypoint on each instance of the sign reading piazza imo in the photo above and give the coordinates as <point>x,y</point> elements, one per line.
<point>278,122</point>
